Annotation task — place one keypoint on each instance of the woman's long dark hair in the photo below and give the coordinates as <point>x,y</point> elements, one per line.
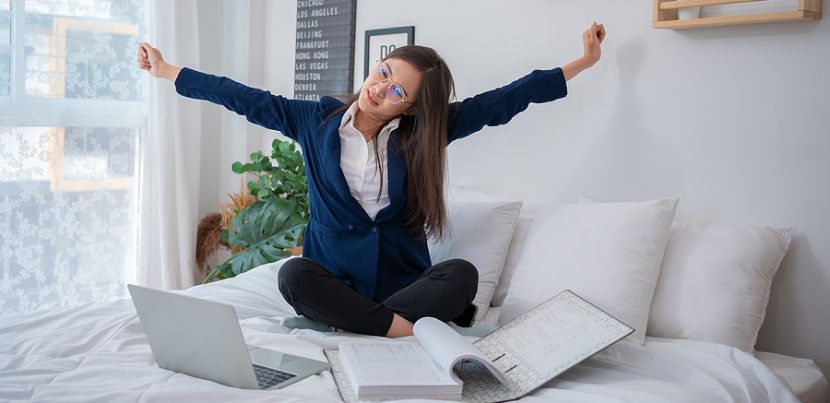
<point>424,136</point>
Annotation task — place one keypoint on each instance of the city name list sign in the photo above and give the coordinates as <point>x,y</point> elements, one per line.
<point>324,56</point>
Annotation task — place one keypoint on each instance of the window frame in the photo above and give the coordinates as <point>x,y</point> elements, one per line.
<point>20,109</point>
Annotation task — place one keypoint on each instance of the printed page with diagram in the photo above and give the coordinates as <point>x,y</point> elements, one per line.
<point>549,339</point>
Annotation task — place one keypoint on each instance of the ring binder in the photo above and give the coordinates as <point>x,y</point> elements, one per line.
<point>565,331</point>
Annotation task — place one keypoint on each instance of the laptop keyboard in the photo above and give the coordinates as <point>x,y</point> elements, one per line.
<point>268,377</point>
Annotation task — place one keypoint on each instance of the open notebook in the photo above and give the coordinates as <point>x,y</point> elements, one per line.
<point>507,364</point>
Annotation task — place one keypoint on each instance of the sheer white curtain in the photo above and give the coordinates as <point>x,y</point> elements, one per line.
<point>72,116</point>
<point>171,159</point>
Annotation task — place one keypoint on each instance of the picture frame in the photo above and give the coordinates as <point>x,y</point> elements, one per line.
<point>379,42</point>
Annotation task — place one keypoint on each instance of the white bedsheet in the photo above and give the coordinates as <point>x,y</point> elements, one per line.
<point>98,353</point>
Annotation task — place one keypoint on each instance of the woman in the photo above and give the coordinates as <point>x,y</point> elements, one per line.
<point>375,168</point>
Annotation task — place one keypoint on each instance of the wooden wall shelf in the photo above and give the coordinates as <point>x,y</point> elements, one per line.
<point>665,14</point>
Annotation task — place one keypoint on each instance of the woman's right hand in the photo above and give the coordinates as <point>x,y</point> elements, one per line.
<point>149,58</point>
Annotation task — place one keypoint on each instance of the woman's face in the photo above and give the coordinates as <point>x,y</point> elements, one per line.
<point>373,99</point>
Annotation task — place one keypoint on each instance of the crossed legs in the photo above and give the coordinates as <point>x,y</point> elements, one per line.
<point>443,291</point>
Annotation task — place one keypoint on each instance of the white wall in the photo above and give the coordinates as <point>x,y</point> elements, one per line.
<point>734,120</point>
<point>251,41</point>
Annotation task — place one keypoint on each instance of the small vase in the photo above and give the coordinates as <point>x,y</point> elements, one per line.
<point>688,13</point>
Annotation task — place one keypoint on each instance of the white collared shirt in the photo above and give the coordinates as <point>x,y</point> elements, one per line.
<point>359,165</point>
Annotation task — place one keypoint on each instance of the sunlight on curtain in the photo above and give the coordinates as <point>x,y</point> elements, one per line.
<point>83,49</point>
<point>67,215</point>
<point>69,192</point>
<point>5,47</point>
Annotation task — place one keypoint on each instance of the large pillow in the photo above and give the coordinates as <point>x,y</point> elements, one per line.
<point>715,282</point>
<point>514,250</point>
<point>480,233</point>
<point>609,254</point>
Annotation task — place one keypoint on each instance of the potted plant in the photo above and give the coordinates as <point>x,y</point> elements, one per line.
<point>274,213</point>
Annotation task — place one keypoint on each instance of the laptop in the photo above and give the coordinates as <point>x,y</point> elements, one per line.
<point>203,339</point>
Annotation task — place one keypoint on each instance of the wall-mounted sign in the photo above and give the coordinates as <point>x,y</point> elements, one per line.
<point>324,56</point>
<point>379,42</point>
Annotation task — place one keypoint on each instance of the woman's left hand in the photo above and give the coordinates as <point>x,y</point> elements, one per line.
<point>591,39</point>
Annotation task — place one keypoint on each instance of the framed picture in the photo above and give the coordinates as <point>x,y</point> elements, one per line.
<point>379,42</point>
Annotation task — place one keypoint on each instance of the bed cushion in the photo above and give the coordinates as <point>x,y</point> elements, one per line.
<point>480,233</point>
<point>715,282</point>
<point>514,250</point>
<point>607,253</point>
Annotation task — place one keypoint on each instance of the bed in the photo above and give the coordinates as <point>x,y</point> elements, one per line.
<point>695,293</point>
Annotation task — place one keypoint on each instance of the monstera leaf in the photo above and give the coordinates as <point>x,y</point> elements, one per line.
<point>265,228</point>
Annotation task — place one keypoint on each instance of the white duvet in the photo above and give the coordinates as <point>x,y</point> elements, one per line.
<point>98,353</point>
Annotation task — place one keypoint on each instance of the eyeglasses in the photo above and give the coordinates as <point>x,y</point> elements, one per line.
<point>394,93</point>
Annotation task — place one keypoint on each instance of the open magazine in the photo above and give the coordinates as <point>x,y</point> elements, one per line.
<point>507,364</point>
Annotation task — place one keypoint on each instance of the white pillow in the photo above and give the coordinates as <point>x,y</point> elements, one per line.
<point>715,282</point>
<point>480,234</point>
<point>514,250</point>
<point>609,254</point>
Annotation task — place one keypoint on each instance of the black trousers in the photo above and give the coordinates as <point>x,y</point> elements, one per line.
<point>443,291</point>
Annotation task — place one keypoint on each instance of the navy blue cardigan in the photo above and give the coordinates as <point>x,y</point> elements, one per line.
<point>376,258</point>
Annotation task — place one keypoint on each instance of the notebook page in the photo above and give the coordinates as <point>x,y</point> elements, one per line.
<point>550,338</point>
<point>392,364</point>
<point>443,343</point>
<point>545,342</point>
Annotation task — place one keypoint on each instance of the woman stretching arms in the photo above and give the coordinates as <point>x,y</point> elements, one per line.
<point>375,168</point>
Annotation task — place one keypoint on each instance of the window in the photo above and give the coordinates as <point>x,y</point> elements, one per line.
<point>72,114</point>
<point>5,47</point>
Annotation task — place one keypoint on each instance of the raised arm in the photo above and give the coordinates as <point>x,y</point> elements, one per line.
<point>499,106</point>
<point>291,117</point>
<point>591,40</point>
<point>149,58</point>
